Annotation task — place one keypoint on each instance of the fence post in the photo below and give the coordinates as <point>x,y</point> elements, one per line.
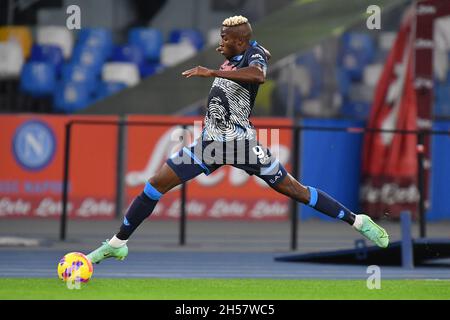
<point>182,239</point>
<point>295,172</point>
<point>421,181</point>
<point>121,160</point>
<point>65,186</point>
<point>407,242</point>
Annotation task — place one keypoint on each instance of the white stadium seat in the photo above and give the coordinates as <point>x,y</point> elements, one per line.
<point>175,53</point>
<point>56,35</point>
<point>386,40</point>
<point>372,73</point>
<point>441,48</point>
<point>214,37</point>
<point>123,72</point>
<point>11,59</point>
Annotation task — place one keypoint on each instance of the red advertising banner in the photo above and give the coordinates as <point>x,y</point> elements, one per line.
<point>31,169</point>
<point>228,193</point>
<point>390,160</point>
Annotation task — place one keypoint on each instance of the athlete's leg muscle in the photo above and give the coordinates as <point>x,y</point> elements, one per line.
<point>314,198</point>
<point>165,179</point>
<point>292,188</point>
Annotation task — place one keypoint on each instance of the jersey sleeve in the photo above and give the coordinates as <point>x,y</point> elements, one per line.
<point>258,57</point>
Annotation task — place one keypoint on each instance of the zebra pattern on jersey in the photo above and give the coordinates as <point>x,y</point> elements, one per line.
<point>228,112</point>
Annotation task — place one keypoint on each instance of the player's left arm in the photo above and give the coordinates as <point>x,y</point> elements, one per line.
<point>252,74</point>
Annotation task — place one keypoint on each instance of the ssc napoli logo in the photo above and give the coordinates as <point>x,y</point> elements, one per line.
<point>34,145</point>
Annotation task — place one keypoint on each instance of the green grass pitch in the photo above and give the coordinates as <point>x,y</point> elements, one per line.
<point>221,289</point>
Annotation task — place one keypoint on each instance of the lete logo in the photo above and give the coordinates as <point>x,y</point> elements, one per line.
<point>34,145</point>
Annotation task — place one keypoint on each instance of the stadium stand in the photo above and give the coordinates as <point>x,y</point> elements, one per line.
<point>92,58</point>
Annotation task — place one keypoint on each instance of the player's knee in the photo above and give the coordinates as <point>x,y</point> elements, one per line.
<point>156,183</point>
<point>151,192</point>
<point>297,190</point>
<point>162,185</point>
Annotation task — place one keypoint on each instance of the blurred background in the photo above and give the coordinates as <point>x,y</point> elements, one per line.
<point>121,60</point>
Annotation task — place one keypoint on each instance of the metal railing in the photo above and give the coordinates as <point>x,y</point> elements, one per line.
<point>296,130</point>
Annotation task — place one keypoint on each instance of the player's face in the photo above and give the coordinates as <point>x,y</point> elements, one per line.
<point>229,44</point>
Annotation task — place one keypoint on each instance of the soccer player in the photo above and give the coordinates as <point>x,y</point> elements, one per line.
<point>228,137</point>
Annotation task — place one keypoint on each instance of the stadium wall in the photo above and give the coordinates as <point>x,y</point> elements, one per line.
<point>31,170</point>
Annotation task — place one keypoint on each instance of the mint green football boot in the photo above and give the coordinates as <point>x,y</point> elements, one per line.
<point>373,232</point>
<point>106,251</point>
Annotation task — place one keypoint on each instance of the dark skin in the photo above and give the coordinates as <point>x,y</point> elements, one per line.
<point>234,41</point>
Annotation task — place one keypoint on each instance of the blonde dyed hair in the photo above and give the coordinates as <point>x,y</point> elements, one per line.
<point>234,21</point>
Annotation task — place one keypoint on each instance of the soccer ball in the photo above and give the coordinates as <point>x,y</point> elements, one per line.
<point>75,266</point>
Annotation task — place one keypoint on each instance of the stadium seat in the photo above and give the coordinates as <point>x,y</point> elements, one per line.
<point>352,65</point>
<point>56,35</point>
<point>20,34</point>
<point>149,40</point>
<point>361,92</point>
<point>123,72</point>
<point>442,100</point>
<point>128,53</point>
<point>70,97</point>
<point>357,50</point>
<point>380,57</point>
<point>312,108</point>
<point>359,42</point>
<point>355,109</point>
<point>149,69</point>
<point>78,73</point>
<point>372,74</point>
<point>193,36</point>
<point>214,37</point>
<point>11,59</point>
<point>280,100</point>
<point>106,89</point>
<point>89,56</point>
<point>175,53</point>
<point>343,81</point>
<point>309,61</point>
<point>48,53</point>
<point>38,78</point>
<point>98,38</point>
<point>386,40</point>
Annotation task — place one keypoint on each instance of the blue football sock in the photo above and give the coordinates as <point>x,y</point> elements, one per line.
<point>140,209</point>
<point>324,203</point>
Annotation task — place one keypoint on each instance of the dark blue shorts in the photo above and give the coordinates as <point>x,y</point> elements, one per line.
<point>208,156</point>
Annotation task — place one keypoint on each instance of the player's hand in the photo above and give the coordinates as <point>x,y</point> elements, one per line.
<point>198,72</point>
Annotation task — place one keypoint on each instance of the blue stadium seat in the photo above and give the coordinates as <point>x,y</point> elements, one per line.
<point>359,110</point>
<point>362,43</point>
<point>149,69</point>
<point>98,38</point>
<point>357,50</point>
<point>442,100</point>
<point>48,53</point>
<point>128,53</point>
<point>106,89</point>
<point>192,35</point>
<point>314,68</point>
<point>38,79</point>
<point>71,96</point>
<point>281,103</point>
<point>343,81</point>
<point>90,57</point>
<point>80,74</point>
<point>150,41</point>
